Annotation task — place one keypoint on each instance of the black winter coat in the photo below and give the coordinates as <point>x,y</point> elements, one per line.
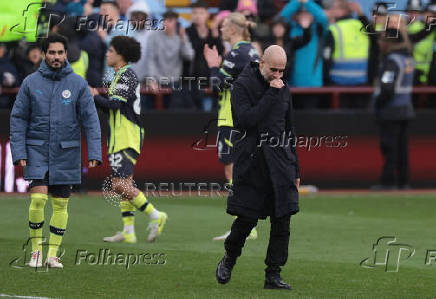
<point>265,160</point>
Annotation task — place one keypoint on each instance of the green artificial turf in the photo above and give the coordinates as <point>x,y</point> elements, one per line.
<point>329,238</point>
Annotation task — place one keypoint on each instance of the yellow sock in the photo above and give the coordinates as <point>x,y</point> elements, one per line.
<point>58,224</point>
<point>128,215</point>
<point>36,219</point>
<point>231,182</point>
<point>141,203</point>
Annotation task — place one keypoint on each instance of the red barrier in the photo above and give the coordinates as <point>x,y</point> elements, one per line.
<point>174,159</point>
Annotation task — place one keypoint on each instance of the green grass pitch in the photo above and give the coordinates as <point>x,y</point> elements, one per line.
<point>329,238</point>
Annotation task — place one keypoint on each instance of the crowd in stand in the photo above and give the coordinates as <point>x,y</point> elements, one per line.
<point>328,42</point>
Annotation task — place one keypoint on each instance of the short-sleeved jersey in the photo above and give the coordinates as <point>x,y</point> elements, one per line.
<point>125,127</point>
<point>234,62</point>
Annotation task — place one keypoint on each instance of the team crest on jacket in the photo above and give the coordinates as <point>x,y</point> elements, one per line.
<point>66,95</point>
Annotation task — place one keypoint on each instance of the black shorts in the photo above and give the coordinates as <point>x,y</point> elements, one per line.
<point>122,163</point>
<point>226,136</point>
<point>62,191</point>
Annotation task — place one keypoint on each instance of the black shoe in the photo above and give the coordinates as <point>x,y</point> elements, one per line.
<point>383,188</point>
<point>224,269</point>
<point>276,283</point>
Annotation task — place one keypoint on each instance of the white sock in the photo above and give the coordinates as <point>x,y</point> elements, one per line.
<point>129,229</point>
<point>154,214</point>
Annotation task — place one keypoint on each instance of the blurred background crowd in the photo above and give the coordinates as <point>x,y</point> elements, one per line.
<point>328,42</point>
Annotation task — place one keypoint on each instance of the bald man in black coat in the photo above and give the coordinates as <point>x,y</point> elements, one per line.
<point>266,173</point>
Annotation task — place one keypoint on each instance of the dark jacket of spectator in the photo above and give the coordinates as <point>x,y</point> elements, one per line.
<point>199,67</point>
<point>228,5</point>
<point>289,44</point>
<point>8,78</point>
<point>26,67</point>
<point>91,42</point>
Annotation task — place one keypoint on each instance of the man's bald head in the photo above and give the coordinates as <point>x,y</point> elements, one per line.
<point>273,63</point>
<point>274,54</point>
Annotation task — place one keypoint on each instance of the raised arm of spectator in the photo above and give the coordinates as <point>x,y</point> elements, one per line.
<point>318,13</point>
<point>329,49</point>
<point>302,40</point>
<point>422,34</point>
<point>290,9</point>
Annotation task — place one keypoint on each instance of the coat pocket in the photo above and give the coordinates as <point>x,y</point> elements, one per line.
<point>35,142</point>
<point>70,144</point>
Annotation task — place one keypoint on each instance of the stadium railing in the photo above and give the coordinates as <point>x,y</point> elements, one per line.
<point>332,93</point>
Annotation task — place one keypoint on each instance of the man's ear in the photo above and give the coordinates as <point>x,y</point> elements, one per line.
<point>261,63</point>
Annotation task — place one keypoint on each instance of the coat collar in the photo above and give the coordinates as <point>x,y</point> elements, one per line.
<point>47,72</point>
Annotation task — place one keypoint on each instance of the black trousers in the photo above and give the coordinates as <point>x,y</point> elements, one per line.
<point>277,253</point>
<point>394,147</point>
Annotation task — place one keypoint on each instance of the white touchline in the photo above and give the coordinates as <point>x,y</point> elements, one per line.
<point>26,297</point>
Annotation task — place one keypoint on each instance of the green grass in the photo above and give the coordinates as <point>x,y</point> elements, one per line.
<point>329,238</point>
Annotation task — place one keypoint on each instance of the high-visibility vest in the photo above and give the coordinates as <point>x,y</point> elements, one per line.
<point>350,56</point>
<point>80,67</point>
<point>422,51</point>
<point>18,19</point>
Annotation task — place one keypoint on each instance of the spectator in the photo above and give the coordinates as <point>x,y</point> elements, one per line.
<point>165,52</point>
<point>229,5</point>
<point>347,51</point>
<point>267,9</point>
<point>114,26</point>
<point>380,13</point>
<point>77,58</point>
<point>8,76</point>
<point>393,105</point>
<point>248,8</point>
<point>31,61</point>
<point>422,49</point>
<point>138,15</point>
<point>419,34</point>
<point>432,73</point>
<point>200,34</point>
<point>308,68</point>
<point>76,7</point>
<point>280,35</point>
<point>88,8</point>
<point>348,45</point>
<point>216,28</point>
<point>91,42</point>
<point>124,6</point>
